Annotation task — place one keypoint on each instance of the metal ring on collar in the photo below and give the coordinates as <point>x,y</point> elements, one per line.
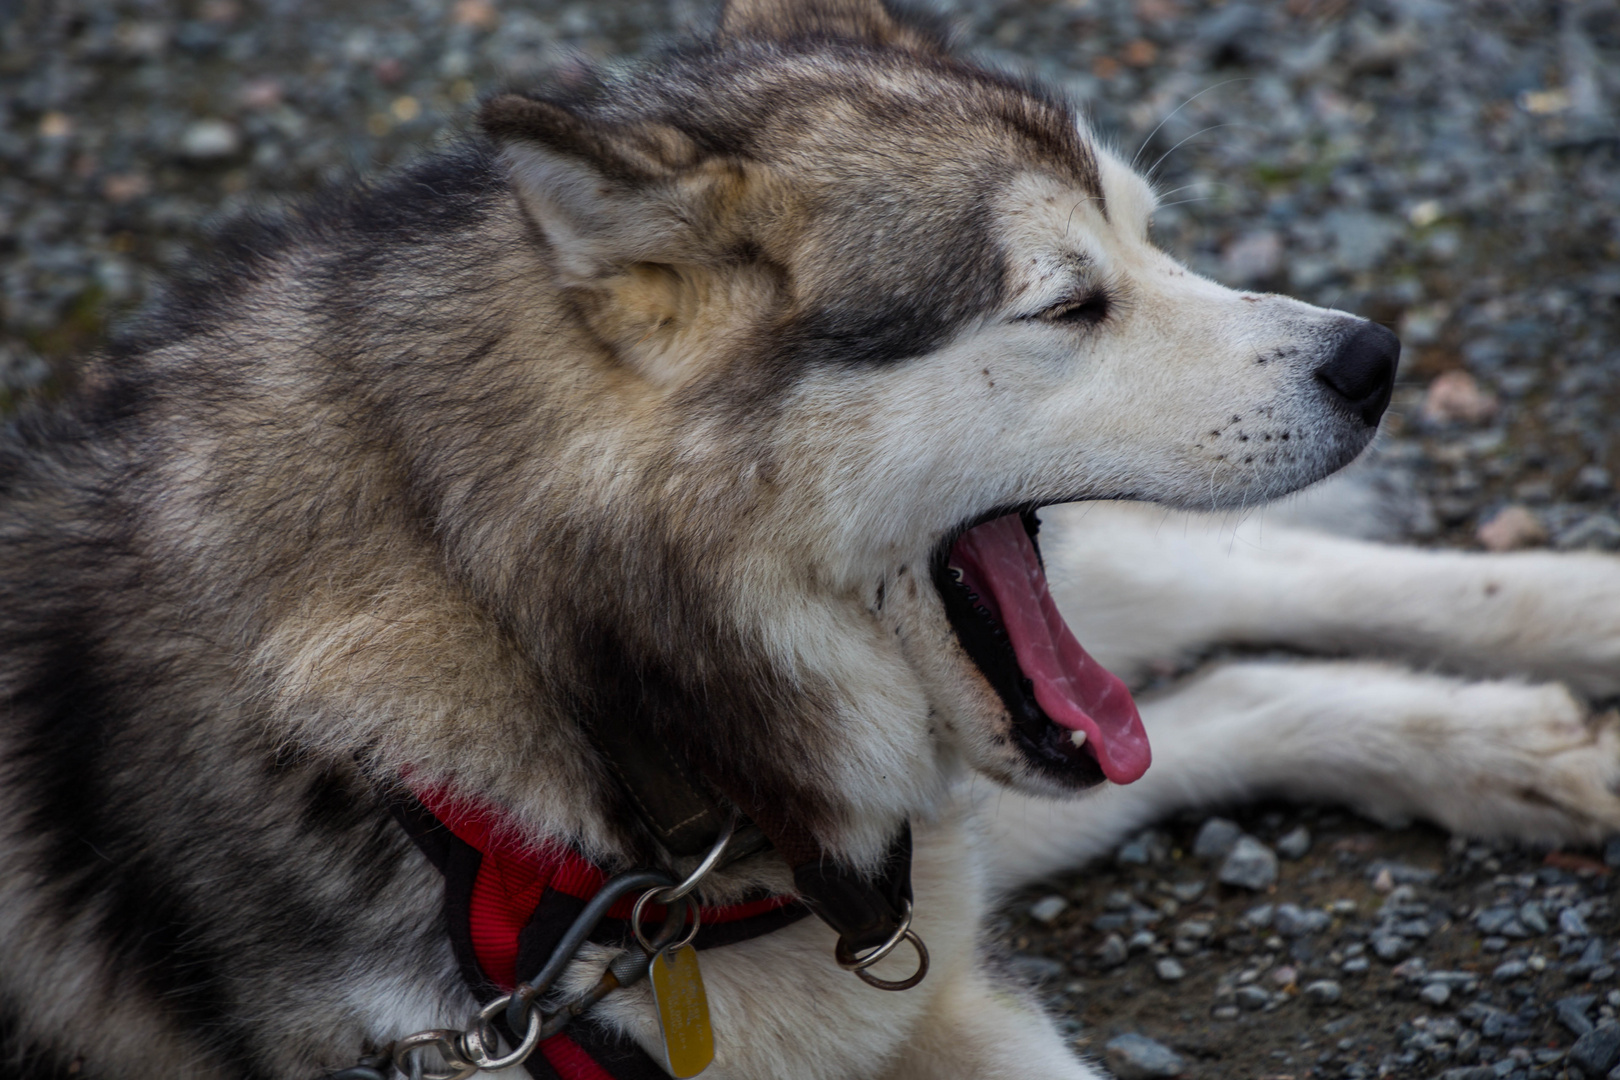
<point>446,1041</point>
<point>849,961</point>
<point>669,896</point>
<point>680,909</point>
<point>478,1053</point>
<point>901,984</point>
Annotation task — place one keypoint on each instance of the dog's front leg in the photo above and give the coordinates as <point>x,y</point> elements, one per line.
<point>978,1029</point>
<point>1142,585</point>
<point>1503,760</point>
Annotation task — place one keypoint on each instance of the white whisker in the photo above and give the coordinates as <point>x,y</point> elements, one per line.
<point>1171,114</point>
<point>1072,209</point>
<point>1189,139</point>
<point>1187,187</point>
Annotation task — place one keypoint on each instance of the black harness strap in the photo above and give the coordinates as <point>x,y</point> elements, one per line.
<point>678,809</point>
<point>670,802</point>
<point>556,911</point>
<point>458,862</point>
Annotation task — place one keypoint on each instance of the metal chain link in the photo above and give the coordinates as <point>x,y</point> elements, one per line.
<point>464,1052</point>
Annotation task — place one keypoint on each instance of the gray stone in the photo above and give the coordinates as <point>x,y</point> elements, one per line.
<point>1356,965</point>
<point>1133,853</point>
<point>1112,952</point>
<point>1435,993</point>
<point>1389,947</point>
<point>1534,919</point>
<point>1249,865</point>
<point>1191,935</point>
<point>1600,532</point>
<point>1141,941</point>
<point>1294,921</point>
<point>1251,998</point>
<point>1307,272</point>
<point>1362,238</point>
<point>1493,920</point>
<point>1295,844</point>
<point>1572,1013</point>
<point>1323,992</point>
<point>1445,1028</point>
<point>1513,969</point>
<point>1233,26</point>
<point>1598,1050</point>
<point>1413,970</point>
<point>210,140</point>
<point>1216,837</point>
<point>1418,928</point>
<point>1593,481</point>
<point>1401,873</point>
<point>1260,916</point>
<point>1253,257</point>
<point>1591,957</point>
<point>1468,1072</point>
<point>1169,969</point>
<point>1467,980</point>
<point>1186,892</point>
<point>1137,1057</point>
<point>1148,846</point>
<point>1571,923</point>
<point>1047,908</point>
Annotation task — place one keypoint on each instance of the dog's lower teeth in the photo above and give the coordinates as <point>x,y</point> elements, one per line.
<point>1077,738</point>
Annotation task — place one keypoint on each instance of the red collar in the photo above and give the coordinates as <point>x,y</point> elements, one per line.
<point>513,878</point>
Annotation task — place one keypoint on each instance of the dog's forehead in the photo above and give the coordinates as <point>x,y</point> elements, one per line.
<point>896,166</point>
<point>1048,225</point>
<point>909,120</point>
<point>874,179</point>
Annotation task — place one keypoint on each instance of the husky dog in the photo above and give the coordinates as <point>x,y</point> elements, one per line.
<point>710,400</point>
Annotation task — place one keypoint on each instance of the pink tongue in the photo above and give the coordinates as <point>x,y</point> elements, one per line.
<point>998,562</point>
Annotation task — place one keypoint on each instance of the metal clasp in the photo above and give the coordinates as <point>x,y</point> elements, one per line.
<point>850,961</point>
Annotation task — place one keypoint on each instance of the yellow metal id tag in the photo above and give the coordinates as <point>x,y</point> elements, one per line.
<point>683,1011</point>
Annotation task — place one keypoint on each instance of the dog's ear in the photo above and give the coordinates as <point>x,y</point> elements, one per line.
<point>874,22</point>
<point>607,195</point>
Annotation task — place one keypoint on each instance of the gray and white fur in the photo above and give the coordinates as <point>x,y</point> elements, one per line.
<point>662,396</point>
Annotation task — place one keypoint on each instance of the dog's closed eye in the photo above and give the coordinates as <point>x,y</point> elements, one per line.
<point>1084,309</point>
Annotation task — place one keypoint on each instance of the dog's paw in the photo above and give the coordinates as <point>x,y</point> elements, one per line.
<point>1547,774</point>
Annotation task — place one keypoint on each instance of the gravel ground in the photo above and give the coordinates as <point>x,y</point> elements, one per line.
<point>1370,953</point>
<point>1452,169</point>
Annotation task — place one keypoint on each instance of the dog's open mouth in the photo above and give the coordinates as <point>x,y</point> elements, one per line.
<point>1071,716</point>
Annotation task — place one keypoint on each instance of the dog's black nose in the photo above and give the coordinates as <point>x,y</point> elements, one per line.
<point>1361,374</point>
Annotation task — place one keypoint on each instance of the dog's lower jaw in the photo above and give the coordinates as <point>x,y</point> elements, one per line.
<point>1013,638</point>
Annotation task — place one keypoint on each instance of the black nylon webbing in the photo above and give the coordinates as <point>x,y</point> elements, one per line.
<point>459,862</point>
